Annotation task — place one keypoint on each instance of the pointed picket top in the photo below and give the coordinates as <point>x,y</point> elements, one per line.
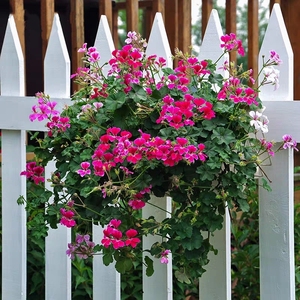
<point>104,42</point>
<point>276,38</point>
<point>12,62</point>
<point>158,43</point>
<point>57,63</point>
<point>210,47</point>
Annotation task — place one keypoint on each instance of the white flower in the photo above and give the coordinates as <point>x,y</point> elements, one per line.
<point>259,121</point>
<point>271,76</point>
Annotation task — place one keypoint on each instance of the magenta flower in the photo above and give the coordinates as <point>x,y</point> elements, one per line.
<point>84,169</point>
<point>164,256</point>
<point>289,142</point>
<point>94,57</point>
<point>136,204</point>
<point>274,58</point>
<point>67,218</point>
<point>230,43</point>
<point>83,48</point>
<point>132,239</point>
<point>34,172</point>
<point>115,223</point>
<point>268,146</point>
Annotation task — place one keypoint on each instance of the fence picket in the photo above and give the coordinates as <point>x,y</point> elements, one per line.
<point>161,280</point>
<point>158,41</point>
<point>104,42</point>
<point>276,38</point>
<point>57,84</point>
<point>105,278</point>
<point>13,185</point>
<point>218,270</point>
<point>276,217</point>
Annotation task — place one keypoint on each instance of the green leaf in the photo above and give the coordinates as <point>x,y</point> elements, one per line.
<point>182,277</point>
<point>21,200</point>
<point>107,259</point>
<point>297,169</point>
<point>223,136</point>
<point>123,265</point>
<point>138,94</point>
<point>186,231</point>
<point>243,204</point>
<point>86,154</point>
<point>79,280</point>
<point>149,264</point>
<point>168,71</point>
<point>266,185</point>
<point>115,102</point>
<point>193,243</point>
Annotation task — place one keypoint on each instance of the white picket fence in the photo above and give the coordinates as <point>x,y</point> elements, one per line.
<point>276,208</point>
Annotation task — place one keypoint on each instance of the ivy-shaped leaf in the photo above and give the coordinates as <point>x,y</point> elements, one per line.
<point>149,266</point>
<point>123,265</point>
<point>223,136</point>
<point>182,277</point>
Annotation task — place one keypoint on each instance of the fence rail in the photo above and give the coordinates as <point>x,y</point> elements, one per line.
<point>276,208</point>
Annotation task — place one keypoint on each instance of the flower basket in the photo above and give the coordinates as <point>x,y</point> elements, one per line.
<point>145,130</point>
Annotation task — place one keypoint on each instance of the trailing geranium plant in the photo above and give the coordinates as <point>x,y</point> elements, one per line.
<point>145,129</point>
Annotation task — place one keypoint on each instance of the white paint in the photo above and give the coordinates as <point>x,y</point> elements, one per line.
<point>57,63</point>
<point>218,269</point>
<point>158,41</point>
<point>281,44</point>
<point>161,280</point>
<point>21,114</point>
<point>110,283</point>
<point>14,240</point>
<point>104,42</point>
<point>57,84</point>
<point>276,208</point>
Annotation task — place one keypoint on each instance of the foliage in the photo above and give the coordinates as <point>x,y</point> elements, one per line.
<point>297,248</point>
<point>245,252</point>
<point>146,129</point>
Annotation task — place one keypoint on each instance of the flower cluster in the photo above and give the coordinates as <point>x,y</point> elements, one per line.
<point>230,43</point>
<point>46,110</point>
<point>234,90</point>
<point>138,129</point>
<point>113,236</point>
<point>34,172</point>
<point>82,247</point>
<point>137,200</point>
<point>116,148</point>
<point>182,112</point>
<point>67,215</point>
